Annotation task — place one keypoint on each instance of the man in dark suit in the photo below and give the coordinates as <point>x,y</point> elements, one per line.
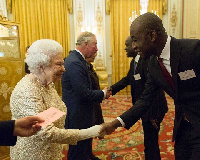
<point>98,116</point>
<point>137,77</point>
<point>78,95</point>
<point>24,127</point>
<point>181,58</point>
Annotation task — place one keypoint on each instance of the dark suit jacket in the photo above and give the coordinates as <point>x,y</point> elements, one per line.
<point>98,116</point>
<point>184,55</point>
<point>6,133</point>
<point>26,68</point>
<point>77,92</point>
<point>159,107</point>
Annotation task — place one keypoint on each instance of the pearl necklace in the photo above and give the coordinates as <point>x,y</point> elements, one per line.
<point>38,80</point>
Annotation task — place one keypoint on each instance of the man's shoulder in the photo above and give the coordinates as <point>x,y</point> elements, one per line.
<point>73,56</point>
<point>186,43</point>
<point>187,46</point>
<point>132,61</point>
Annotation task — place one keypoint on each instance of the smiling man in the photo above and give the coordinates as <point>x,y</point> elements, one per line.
<point>78,95</point>
<point>136,78</point>
<point>181,59</point>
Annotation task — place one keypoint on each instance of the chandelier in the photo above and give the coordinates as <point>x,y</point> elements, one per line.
<point>143,4</point>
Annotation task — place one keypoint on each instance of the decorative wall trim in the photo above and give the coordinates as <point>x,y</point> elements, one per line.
<point>70,6</point>
<point>9,5</point>
<point>6,108</point>
<point>99,18</point>
<point>89,15</point>
<point>3,10</point>
<point>173,19</point>
<point>107,6</point>
<point>164,5</point>
<point>79,16</point>
<point>5,90</point>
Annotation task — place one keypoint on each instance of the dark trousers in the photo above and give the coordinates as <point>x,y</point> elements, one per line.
<point>81,151</point>
<point>187,142</point>
<point>152,151</point>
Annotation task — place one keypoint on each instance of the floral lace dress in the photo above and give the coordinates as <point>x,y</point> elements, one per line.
<point>30,98</point>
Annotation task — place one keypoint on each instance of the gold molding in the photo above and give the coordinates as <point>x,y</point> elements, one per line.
<point>101,72</point>
<point>2,17</point>
<point>107,6</point>
<point>164,5</point>
<point>70,6</point>
<point>173,19</point>
<point>79,17</point>
<point>99,18</point>
<point>9,5</point>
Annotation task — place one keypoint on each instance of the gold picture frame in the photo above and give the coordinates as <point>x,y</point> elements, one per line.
<point>9,40</point>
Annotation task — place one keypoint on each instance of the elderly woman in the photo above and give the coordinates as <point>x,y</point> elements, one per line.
<point>35,93</point>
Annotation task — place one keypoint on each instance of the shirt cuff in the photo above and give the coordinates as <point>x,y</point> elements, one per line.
<point>104,97</point>
<point>90,132</point>
<point>121,121</point>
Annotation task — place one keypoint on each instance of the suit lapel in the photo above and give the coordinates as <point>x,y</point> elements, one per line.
<point>156,73</point>
<point>138,71</point>
<point>174,63</point>
<point>85,66</point>
<point>80,57</point>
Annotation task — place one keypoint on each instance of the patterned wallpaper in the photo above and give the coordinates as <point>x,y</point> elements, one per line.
<point>10,74</point>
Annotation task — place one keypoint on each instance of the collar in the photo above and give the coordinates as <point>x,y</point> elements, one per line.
<point>137,58</point>
<point>166,51</point>
<point>80,53</point>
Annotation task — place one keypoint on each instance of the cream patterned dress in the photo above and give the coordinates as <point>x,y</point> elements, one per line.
<point>30,98</point>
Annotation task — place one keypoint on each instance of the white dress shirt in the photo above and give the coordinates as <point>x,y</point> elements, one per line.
<point>165,55</point>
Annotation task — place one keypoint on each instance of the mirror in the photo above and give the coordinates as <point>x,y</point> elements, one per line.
<point>9,40</point>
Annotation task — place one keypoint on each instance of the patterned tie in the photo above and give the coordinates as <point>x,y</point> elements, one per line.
<point>166,74</point>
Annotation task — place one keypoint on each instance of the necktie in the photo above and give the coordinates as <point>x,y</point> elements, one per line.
<point>166,74</point>
<point>135,66</point>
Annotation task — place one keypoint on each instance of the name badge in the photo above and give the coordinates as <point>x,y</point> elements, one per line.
<point>187,75</point>
<point>137,77</point>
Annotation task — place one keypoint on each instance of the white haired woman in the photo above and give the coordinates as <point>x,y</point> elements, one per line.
<point>35,93</point>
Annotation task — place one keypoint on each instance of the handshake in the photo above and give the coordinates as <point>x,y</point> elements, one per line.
<point>110,127</point>
<point>108,92</point>
<point>99,130</point>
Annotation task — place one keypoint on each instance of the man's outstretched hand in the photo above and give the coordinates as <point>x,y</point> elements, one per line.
<point>108,128</point>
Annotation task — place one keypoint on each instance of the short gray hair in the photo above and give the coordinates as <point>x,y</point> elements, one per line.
<point>85,37</point>
<point>40,53</point>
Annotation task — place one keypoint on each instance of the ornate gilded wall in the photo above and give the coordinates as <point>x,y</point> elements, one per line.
<point>89,15</point>
<point>10,74</point>
<point>191,21</point>
<point>11,71</point>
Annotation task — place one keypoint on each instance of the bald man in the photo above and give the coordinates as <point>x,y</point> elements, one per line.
<point>174,66</point>
<point>136,78</point>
